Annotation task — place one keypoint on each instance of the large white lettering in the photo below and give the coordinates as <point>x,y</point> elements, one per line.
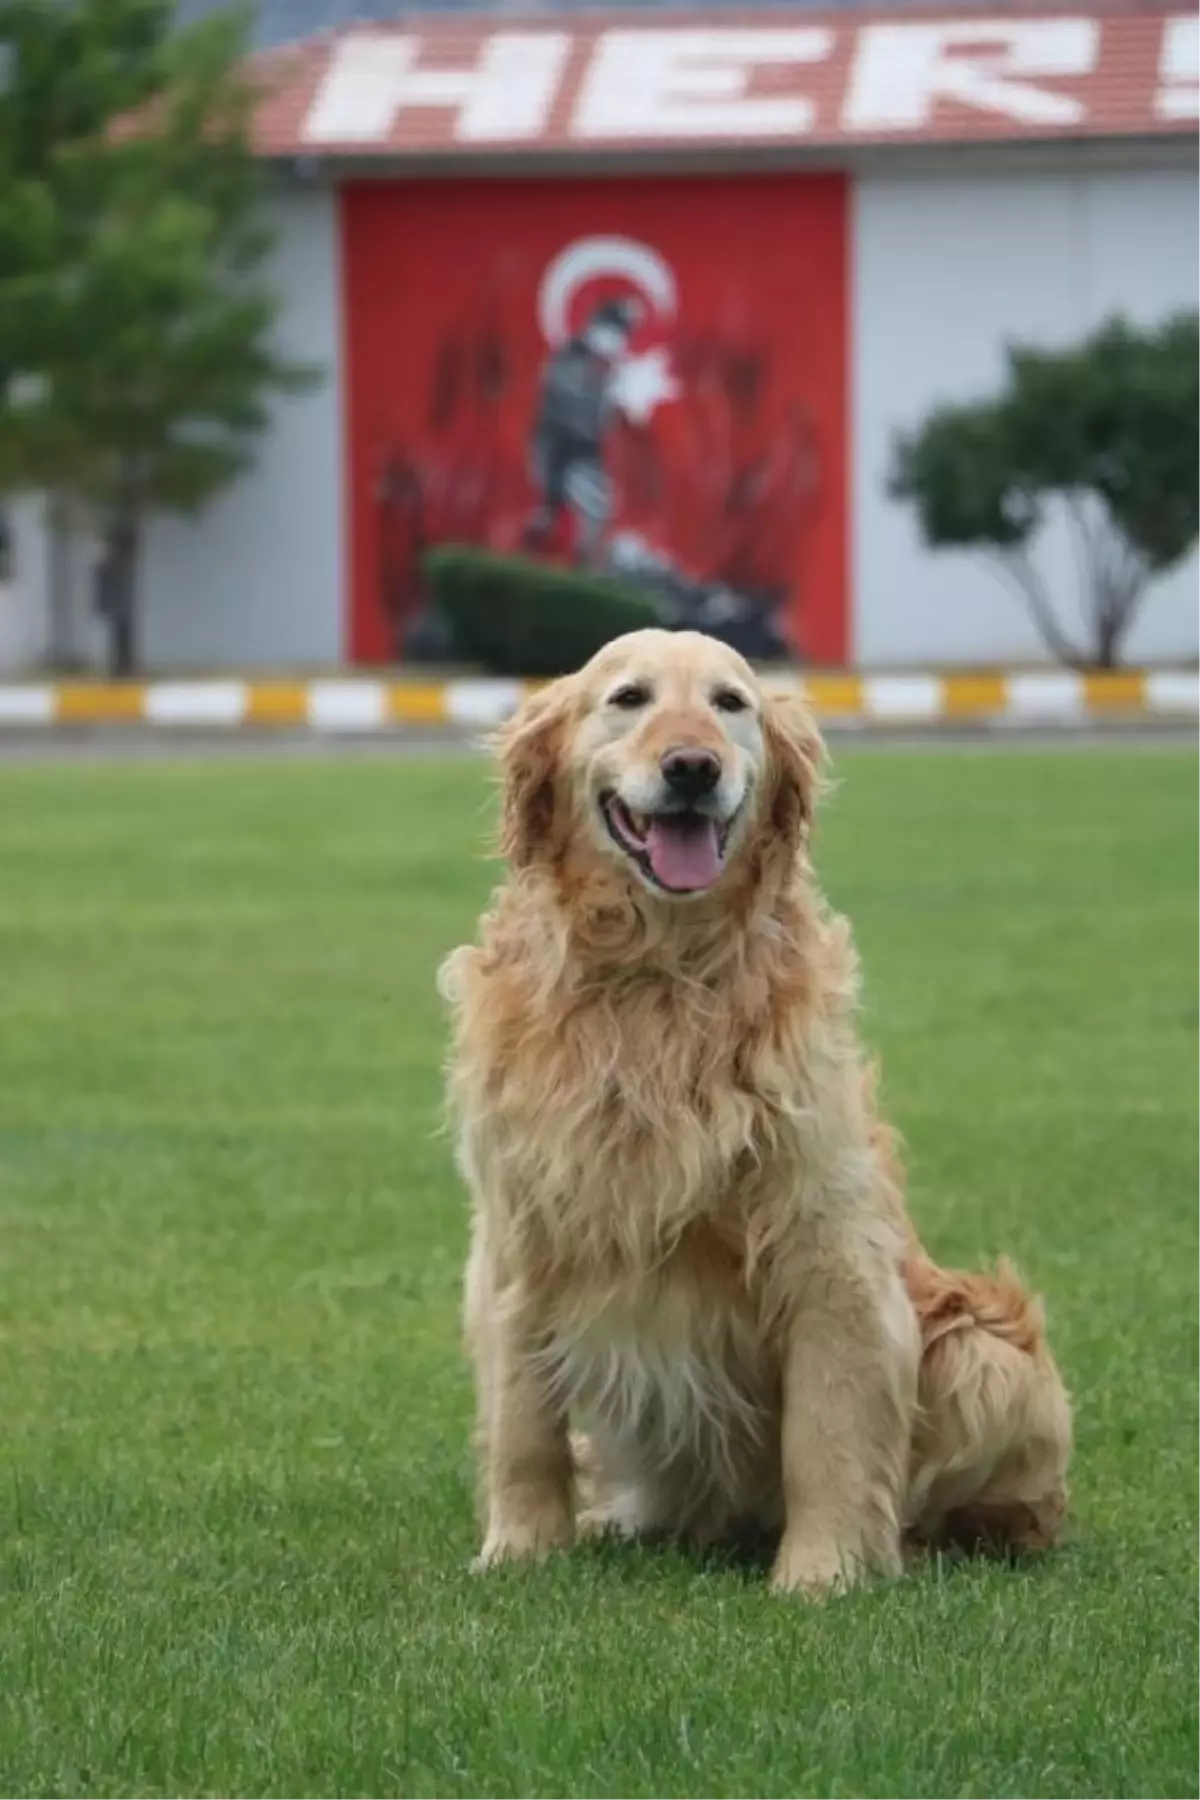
<point>1178,95</point>
<point>902,71</point>
<point>374,77</point>
<point>694,84</point>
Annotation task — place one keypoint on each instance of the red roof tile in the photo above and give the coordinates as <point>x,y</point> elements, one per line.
<point>820,79</point>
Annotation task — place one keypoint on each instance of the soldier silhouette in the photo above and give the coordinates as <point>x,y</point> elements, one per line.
<point>574,410</point>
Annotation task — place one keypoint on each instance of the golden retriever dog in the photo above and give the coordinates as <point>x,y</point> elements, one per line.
<point>694,1300</point>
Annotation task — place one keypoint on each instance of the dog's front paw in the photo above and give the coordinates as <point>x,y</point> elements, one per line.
<point>525,1540</point>
<point>814,1568</point>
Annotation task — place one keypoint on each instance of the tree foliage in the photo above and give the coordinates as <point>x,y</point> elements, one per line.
<point>1108,428</point>
<point>137,360</point>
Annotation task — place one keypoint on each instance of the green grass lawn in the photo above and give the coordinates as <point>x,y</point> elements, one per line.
<point>235,1489</point>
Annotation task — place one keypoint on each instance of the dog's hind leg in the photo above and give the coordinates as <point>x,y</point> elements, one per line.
<point>602,1502</point>
<point>680,1499</point>
<point>612,1498</point>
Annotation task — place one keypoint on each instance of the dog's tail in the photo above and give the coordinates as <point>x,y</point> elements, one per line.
<point>993,1433</point>
<point>953,1300</point>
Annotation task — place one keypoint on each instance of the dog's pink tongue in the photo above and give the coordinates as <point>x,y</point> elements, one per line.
<point>684,852</point>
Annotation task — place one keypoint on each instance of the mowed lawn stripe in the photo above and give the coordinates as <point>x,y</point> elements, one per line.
<point>235,1482</point>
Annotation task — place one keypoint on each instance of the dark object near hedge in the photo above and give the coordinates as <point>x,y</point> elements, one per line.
<point>519,617</point>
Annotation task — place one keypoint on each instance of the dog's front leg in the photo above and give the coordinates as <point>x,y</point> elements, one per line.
<point>526,1455</point>
<point>849,1392</point>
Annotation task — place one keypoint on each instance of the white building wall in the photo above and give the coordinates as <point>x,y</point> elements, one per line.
<point>947,267</point>
<point>32,638</point>
<point>256,580</point>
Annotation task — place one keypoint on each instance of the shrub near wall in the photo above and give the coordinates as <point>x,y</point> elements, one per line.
<point>519,617</point>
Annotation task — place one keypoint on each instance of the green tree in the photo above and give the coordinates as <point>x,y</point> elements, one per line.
<point>137,359</point>
<point>1110,429</point>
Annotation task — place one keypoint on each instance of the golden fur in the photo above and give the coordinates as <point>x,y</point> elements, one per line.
<point>689,1235</point>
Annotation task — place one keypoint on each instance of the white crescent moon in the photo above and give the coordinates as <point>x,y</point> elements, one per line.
<point>588,257</point>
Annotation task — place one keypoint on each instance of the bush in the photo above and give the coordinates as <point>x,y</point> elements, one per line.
<point>519,617</point>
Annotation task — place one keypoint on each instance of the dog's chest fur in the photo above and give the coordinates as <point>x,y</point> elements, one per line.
<point>669,1369</point>
<point>632,1114</point>
<point>639,1149</point>
<point>648,1222</point>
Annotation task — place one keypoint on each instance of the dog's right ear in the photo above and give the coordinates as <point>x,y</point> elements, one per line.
<point>530,752</point>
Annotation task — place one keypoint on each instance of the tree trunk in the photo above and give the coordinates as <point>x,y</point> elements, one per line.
<point>123,653</point>
<point>116,593</point>
<point>61,653</point>
<point>1021,572</point>
<point>1113,620</point>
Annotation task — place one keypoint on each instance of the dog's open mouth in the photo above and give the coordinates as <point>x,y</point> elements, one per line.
<point>681,852</point>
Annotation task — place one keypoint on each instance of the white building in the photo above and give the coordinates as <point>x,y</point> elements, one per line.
<point>821,224</point>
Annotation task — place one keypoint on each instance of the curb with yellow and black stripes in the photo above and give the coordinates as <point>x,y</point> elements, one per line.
<point>365,704</point>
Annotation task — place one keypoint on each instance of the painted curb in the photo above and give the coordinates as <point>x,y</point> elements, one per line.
<point>354,704</point>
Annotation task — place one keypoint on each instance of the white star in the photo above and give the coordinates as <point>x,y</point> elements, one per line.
<point>640,384</point>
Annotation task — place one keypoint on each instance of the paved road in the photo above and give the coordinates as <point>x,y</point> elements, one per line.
<point>115,743</point>
<point>119,743</point>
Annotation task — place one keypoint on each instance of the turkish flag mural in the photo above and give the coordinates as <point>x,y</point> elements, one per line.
<point>645,378</point>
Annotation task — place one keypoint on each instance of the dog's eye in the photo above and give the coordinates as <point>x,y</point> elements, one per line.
<point>632,695</point>
<point>729,700</point>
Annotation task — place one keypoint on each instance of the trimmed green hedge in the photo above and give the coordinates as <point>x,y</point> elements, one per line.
<point>520,617</point>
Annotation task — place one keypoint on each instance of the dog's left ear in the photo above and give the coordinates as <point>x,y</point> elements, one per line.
<point>797,757</point>
<point>530,751</point>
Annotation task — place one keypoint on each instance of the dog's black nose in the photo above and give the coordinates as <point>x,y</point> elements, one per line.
<point>690,774</point>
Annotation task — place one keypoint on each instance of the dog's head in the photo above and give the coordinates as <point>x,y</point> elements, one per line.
<point>666,762</point>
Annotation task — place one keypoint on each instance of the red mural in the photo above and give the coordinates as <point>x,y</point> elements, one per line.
<point>645,378</point>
